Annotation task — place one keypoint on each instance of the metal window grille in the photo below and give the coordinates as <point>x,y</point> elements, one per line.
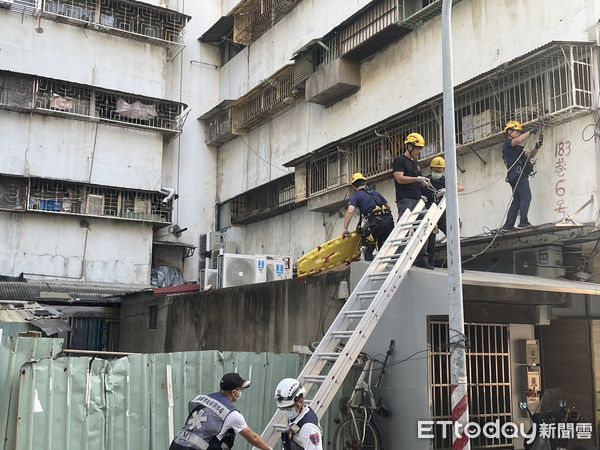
<point>29,7</point>
<point>16,91</point>
<point>13,193</point>
<point>261,15</point>
<point>489,381</point>
<point>262,202</point>
<point>416,12</point>
<point>327,173</point>
<point>132,19</point>
<point>19,92</point>
<point>272,97</point>
<point>368,24</point>
<point>218,127</point>
<point>54,95</point>
<point>553,85</point>
<point>74,198</point>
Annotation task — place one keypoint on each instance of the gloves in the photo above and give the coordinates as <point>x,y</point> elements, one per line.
<point>441,193</point>
<point>540,141</point>
<point>424,181</point>
<point>533,131</point>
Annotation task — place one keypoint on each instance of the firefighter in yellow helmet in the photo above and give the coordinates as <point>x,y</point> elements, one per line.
<point>438,181</point>
<point>408,180</point>
<point>519,168</point>
<point>376,220</point>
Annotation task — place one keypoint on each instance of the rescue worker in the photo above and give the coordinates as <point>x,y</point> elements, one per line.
<point>519,168</point>
<point>304,431</point>
<point>438,182</point>
<point>408,180</point>
<point>376,211</point>
<point>213,420</point>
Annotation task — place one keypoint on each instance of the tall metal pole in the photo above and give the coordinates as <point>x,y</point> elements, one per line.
<point>458,367</point>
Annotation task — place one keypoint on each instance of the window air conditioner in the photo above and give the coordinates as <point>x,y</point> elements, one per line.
<point>95,205</point>
<point>239,270</point>
<point>278,267</point>
<point>545,262</point>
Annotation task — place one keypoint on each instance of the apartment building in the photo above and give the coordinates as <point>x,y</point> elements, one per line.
<point>313,91</point>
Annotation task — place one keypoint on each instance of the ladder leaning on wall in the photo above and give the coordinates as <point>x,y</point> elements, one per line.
<point>327,368</point>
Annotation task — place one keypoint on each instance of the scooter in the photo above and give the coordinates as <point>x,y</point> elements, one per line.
<point>563,415</point>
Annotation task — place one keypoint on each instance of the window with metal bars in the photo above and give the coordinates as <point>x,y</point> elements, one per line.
<point>554,85</point>
<point>64,197</point>
<point>263,202</point>
<point>18,91</point>
<point>327,173</point>
<point>13,193</point>
<point>255,17</point>
<point>128,18</point>
<point>489,381</point>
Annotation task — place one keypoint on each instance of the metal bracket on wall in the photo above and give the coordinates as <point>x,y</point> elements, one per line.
<point>477,154</point>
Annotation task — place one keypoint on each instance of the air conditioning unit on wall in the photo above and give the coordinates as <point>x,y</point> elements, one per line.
<point>546,262</point>
<point>278,267</point>
<point>240,270</point>
<point>209,278</point>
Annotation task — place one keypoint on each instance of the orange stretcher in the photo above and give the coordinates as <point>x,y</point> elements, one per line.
<point>341,250</point>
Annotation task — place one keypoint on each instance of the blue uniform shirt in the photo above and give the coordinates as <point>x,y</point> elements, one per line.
<point>367,201</point>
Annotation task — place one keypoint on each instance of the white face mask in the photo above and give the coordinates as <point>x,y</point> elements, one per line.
<point>436,175</point>
<point>290,413</point>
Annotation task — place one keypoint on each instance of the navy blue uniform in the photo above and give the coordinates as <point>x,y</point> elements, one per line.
<point>379,218</point>
<point>517,176</point>
<point>438,184</point>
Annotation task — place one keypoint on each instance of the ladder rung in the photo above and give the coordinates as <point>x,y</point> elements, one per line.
<point>330,356</point>
<point>279,427</point>
<point>379,274</point>
<point>342,333</point>
<point>356,313</point>
<point>400,241</point>
<point>410,224</point>
<point>367,294</point>
<point>393,257</point>
<point>315,378</point>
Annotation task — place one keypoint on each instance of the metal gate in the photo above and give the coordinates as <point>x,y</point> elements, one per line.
<point>488,371</point>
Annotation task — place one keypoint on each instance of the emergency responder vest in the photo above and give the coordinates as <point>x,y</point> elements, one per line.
<point>205,422</point>
<point>287,436</point>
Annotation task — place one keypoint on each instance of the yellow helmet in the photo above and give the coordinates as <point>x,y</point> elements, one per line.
<point>416,139</point>
<point>356,177</point>
<point>438,163</point>
<point>514,125</point>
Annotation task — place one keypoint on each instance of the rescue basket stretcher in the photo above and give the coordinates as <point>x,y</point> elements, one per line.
<point>341,250</point>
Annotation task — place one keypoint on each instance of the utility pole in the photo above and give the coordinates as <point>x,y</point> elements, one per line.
<point>458,367</point>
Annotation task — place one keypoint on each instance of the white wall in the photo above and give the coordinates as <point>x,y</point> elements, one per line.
<point>189,164</point>
<point>403,75</point>
<point>81,55</point>
<point>53,147</point>
<point>47,245</point>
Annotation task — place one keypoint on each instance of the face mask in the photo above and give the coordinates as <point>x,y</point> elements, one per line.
<point>290,413</point>
<point>436,175</point>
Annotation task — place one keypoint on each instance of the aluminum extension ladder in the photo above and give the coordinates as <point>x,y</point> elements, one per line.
<point>361,313</point>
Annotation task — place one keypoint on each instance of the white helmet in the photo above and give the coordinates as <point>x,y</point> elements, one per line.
<point>288,391</point>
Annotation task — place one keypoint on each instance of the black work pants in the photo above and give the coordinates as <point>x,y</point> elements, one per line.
<point>432,237</point>
<point>410,203</point>
<point>380,228</point>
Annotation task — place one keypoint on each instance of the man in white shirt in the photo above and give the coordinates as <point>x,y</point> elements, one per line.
<point>304,432</point>
<point>214,421</point>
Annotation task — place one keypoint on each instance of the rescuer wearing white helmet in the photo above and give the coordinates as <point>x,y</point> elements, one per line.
<point>304,431</point>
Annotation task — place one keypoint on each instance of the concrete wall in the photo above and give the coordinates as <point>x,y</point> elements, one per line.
<point>275,316</point>
<point>86,152</point>
<point>90,57</point>
<point>47,245</point>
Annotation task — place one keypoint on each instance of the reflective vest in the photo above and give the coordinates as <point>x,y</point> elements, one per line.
<point>287,437</point>
<point>206,419</point>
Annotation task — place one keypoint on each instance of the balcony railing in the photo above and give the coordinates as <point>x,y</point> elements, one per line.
<point>271,97</point>
<point>21,93</point>
<point>551,85</point>
<point>18,194</point>
<point>128,18</point>
<point>263,202</point>
<point>254,17</point>
<point>218,124</point>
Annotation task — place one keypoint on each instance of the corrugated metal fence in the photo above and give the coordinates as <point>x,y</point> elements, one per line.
<point>136,402</point>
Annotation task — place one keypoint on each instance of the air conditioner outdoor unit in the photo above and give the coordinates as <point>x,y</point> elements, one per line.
<point>209,278</point>
<point>543,262</point>
<point>239,270</point>
<point>278,267</point>
<point>95,205</point>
